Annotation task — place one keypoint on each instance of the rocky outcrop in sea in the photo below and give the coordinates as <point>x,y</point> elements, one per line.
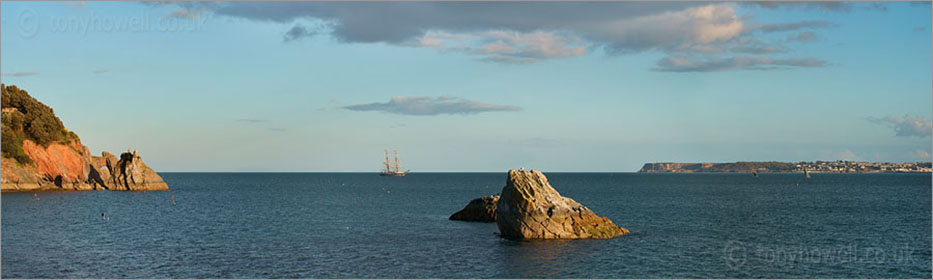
<point>482,209</point>
<point>129,173</point>
<point>530,208</point>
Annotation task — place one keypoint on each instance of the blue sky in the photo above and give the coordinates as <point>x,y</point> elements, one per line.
<point>478,86</point>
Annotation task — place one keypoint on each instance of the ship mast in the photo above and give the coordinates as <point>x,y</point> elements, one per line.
<point>387,162</point>
<point>396,161</point>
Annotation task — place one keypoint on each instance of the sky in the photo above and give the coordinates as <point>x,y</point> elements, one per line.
<point>478,86</point>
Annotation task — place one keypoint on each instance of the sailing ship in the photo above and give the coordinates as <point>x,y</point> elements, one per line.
<point>392,168</point>
<point>807,172</point>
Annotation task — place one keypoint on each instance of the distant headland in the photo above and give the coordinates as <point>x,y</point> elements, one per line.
<point>39,154</point>
<point>839,166</point>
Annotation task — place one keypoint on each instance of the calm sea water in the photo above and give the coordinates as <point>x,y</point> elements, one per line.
<point>301,225</point>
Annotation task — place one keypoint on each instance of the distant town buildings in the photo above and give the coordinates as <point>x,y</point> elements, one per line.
<point>844,166</point>
<point>839,166</point>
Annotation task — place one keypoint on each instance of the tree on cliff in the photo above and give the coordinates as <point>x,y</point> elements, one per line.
<point>25,117</point>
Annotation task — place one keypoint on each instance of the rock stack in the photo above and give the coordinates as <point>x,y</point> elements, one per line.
<point>129,173</point>
<point>530,208</point>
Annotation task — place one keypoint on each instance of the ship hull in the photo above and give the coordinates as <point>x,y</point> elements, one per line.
<point>393,174</point>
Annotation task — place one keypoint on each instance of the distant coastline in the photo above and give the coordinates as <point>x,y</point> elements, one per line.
<point>839,166</point>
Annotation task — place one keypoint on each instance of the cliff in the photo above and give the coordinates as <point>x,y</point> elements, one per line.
<point>39,154</point>
<point>742,166</point>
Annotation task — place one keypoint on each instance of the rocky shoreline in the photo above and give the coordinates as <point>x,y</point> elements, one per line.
<point>62,163</point>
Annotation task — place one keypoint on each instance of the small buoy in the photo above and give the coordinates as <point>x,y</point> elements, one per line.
<point>348,228</point>
<point>36,196</point>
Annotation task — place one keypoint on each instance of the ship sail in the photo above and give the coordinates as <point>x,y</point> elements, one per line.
<point>396,160</point>
<point>386,163</point>
<point>393,168</point>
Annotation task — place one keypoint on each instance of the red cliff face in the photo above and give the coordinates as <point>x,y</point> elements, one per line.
<point>67,163</point>
<point>55,166</point>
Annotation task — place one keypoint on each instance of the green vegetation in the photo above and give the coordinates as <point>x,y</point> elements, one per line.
<point>24,118</point>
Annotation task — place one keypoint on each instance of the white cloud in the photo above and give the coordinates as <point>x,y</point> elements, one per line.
<point>706,64</point>
<point>803,37</point>
<point>506,46</point>
<point>252,120</point>
<point>520,33</point>
<point>20,74</point>
<point>906,126</point>
<point>921,155</point>
<point>823,5</point>
<point>185,13</point>
<point>676,30</point>
<point>78,5</point>
<point>845,155</point>
<point>754,46</point>
<point>426,106</point>
<point>792,26</point>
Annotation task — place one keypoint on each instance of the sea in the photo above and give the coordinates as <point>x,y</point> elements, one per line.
<point>361,225</point>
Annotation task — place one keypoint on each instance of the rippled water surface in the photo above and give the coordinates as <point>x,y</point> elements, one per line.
<point>301,225</point>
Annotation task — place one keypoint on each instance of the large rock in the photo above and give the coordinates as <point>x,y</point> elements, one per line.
<point>16,177</point>
<point>529,208</point>
<point>131,174</point>
<point>482,209</point>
